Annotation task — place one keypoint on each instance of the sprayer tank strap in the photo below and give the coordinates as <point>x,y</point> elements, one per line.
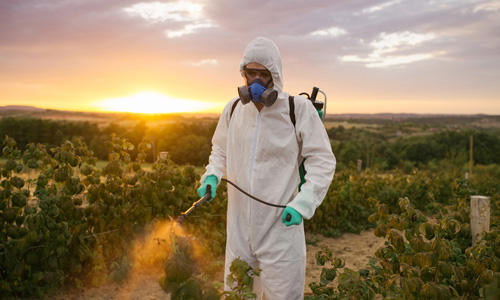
<point>233,107</point>
<point>291,103</point>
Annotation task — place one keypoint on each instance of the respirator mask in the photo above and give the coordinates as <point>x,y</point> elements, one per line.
<point>257,91</point>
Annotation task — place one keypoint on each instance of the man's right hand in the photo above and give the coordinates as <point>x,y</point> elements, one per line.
<point>209,180</point>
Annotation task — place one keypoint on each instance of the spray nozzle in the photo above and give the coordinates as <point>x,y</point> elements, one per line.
<point>180,219</point>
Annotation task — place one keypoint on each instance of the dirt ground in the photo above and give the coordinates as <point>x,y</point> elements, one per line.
<point>355,249</point>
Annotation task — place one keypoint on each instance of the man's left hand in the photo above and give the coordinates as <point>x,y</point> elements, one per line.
<point>296,217</point>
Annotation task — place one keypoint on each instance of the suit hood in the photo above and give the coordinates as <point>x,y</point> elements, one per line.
<point>265,52</point>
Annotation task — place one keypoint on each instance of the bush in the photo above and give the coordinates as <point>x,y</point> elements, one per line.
<point>67,223</point>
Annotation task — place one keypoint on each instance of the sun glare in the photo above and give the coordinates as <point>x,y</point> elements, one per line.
<point>152,103</point>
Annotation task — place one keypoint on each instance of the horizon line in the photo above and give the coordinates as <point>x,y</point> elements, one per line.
<point>11,107</point>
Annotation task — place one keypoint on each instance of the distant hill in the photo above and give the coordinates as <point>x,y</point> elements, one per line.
<point>400,116</point>
<point>101,118</point>
<point>21,111</point>
<point>20,108</point>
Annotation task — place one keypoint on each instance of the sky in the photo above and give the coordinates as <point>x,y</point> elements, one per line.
<point>367,56</point>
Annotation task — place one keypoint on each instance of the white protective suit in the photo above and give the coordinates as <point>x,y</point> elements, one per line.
<point>261,152</point>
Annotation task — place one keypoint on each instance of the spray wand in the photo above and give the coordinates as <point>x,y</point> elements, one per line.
<point>183,216</point>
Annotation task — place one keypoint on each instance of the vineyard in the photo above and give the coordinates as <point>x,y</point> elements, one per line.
<point>65,221</point>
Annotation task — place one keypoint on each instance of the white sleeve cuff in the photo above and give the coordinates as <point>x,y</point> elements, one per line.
<point>304,203</point>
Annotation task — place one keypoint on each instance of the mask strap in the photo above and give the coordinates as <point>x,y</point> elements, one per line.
<point>268,83</point>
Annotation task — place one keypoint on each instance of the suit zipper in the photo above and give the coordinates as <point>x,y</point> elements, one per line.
<point>254,146</point>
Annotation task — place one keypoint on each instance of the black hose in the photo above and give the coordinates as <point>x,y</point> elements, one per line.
<point>253,197</point>
<point>207,196</point>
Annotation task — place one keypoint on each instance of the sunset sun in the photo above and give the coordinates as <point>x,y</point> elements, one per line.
<point>152,102</point>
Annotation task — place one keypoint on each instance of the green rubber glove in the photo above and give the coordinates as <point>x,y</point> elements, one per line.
<point>209,180</point>
<point>296,217</point>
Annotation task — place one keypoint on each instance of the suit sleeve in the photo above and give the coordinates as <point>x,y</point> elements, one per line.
<point>217,160</point>
<point>320,161</point>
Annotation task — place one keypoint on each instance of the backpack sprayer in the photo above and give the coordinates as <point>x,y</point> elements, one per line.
<point>320,108</point>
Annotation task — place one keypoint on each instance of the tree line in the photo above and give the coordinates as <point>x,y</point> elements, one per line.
<point>449,147</point>
<point>185,141</point>
<point>188,141</point>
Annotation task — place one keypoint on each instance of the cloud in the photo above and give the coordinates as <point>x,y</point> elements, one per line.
<point>384,47</point>
<point>380,7</point>
<point>161,12</point>
<point>489,6</point>
<point>396,41</point>
<point>204,62</point>
<point>332,31</point>
<point>176,12</point>
<point>376,61</point>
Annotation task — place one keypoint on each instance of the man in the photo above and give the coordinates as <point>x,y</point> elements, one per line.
<point>257,147</point>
